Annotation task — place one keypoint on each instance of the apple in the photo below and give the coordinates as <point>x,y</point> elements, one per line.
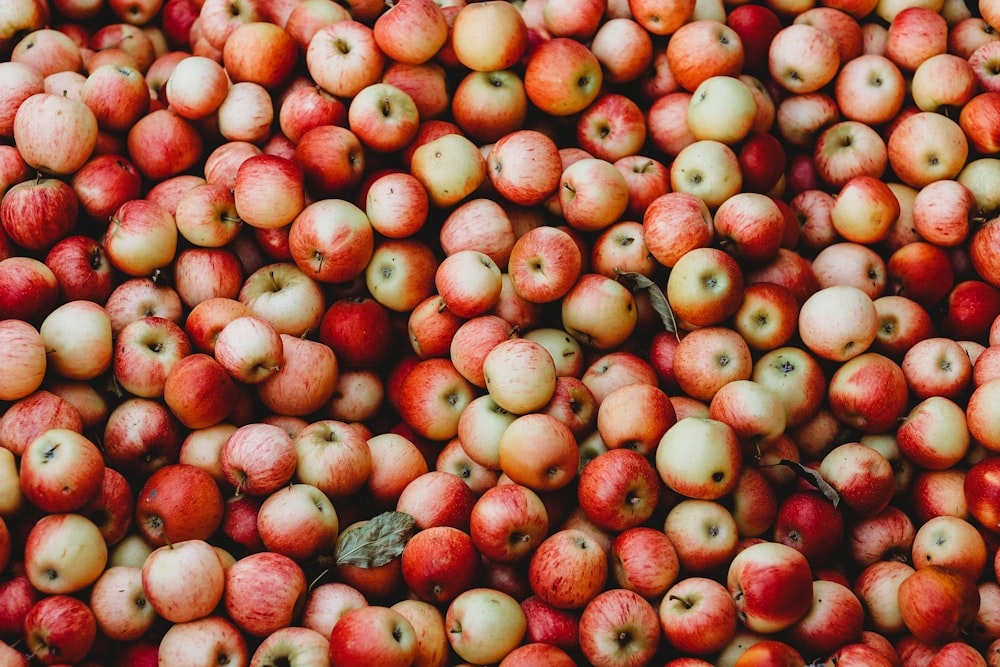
<point>60,628</point>
<point>709,169</point>
<point>708,358</point>
<point>199,391</point>
<point>489,38</point>
<point>538,451</point>
<point>39,213</point>
<point>861,476</point>
<point>439,563</point>
<point>211,640</point>
<point>622,423</point>
<point>469,282</point>
<point>120,605</point>
<point>450,167</point>
<point>384,117</point>
<point>372,635</point>
<point>704,534</point>
<point>808,522</point>
<point>332,160</point>
<point>35,289</point>
<point>489,105</point>
<point>246,114</point>
<point>113,508</point>
<point>916,36</point>
<point>221,265</point>
<point>21,81</point>
<point>484,625</point>
<point>61,471</point>
<point>936,603</point>
<point>286,296</point>
<point>675,223</point>
<point>64,553</point>
<point>30,417</point>
<point>703,48</point>
<point>887,534</point>
<point>396,204</point>
<point>81,269</point>
<point>798,73</point>
<point>258,458</point>
<point>264,592</point>
<point>327,602</point>
<point>562,76</point>
<point>568,548</point>
<point>705,287</point>
<point>183,581</point>
<point>298,646</point>
<point>772,586</point>
<point>55,135</point>
<point>437,498</point>
<point>178,502</point>
<point>919,134</point>
<point>755,503</point>
<point>544,264</point>
<point>396,461</point>
<point>666,119</point>
<point>507,522</point>
<point>432,397</point>
<point>619,627</point>
<point>698,615</point>
<point>876,586</point>
<point>432,327</point>
<point>599,311</point>
<point>519,375</point>
<point>243,49</point>
<point>472,342</point>
<point>618,489</point>
<point>163,143</point>
<point>145,352</point>
<point>950,542</point>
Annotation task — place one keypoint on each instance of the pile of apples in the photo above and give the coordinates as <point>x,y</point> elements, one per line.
<point>545,332</point>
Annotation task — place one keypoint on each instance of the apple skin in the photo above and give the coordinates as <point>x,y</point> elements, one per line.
<point>60,629</point>
<point>17,599</point>
<point>183,581</point>
<point>484,625</point>
<point>33,289</point>
<point>439,563</point>
<point>372,635</point>
<point>698,615</point>
<point>937,604</point>
<point>178,502</point>
<point>619,489</point>
<point>210,640</point>
<point>64,553</point>
<point>568,550</point>
<point>612,613</point>
<point>562,76</point>
<point>264,592</point>
<point>869,392</point>
<point>358,330</point>
<point>809,522</point>
<point>61,471</point>
<point>772,586</point>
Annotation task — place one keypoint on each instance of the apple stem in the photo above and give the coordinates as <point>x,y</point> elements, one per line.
<point>687,605</point>
<point>319,576</point>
